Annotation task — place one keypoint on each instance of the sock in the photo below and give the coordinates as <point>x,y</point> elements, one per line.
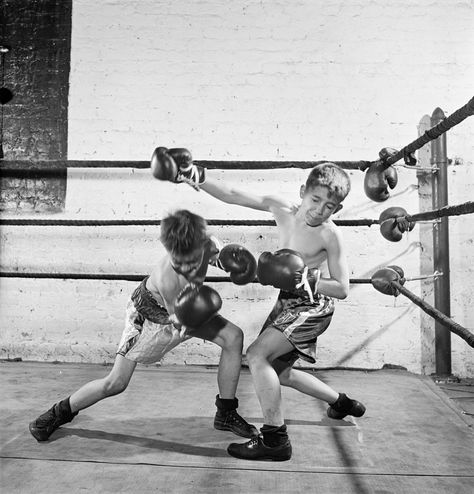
<point>64,409</point>
<point>226,405</point>
<point>342,404</point>
<point>274,435</point>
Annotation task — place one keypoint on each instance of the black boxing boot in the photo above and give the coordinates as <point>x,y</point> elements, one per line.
<point>273,445</point>
<point>227,418</point>
<point>345,406</point>
<point>59,414</point>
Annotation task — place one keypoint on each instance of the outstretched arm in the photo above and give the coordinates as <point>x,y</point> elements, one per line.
<point>240,197</point>
<point>176,165</point>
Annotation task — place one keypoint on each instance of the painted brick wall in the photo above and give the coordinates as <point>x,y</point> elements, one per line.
<point>263,80</point>
<point>82,320</point>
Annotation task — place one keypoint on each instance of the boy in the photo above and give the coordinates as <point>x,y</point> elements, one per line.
<point>152,327</point>
<point>305,304</point>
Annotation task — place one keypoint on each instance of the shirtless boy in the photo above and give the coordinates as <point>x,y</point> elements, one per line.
<point>308,238</point>
<point>170,306</point>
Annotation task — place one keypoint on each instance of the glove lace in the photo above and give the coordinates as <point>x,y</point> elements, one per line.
<point>190,176</point>
<point>306,285</point>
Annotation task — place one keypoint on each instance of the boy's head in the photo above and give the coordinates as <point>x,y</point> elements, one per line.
<point>184,235</point>
<point>331,176</point>
<point>326,187</point>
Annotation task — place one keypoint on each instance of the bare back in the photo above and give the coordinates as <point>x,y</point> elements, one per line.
<point>165,283</point>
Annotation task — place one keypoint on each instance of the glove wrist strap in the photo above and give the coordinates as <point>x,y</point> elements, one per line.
<point>193,175</point>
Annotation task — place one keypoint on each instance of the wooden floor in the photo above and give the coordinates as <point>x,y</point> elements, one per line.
<point>416,437</point>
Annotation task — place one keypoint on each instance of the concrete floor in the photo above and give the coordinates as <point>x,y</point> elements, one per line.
<point>157,436</point>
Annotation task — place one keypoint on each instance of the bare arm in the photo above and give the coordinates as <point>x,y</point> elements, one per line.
<point>337,285</point>
<point>240,197</point>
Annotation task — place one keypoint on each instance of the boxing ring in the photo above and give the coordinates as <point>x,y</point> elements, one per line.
<point>170,444</point>
<point>394,222</point>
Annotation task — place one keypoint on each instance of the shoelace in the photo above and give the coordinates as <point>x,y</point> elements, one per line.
<point>46,419</point>
<point>253,441</point>
<point>236,418</point>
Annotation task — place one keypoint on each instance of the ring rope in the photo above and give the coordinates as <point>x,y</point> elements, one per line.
<point>51,222</point>
<point>396,221</point>
<point>139,277</point>
<point>454,119</point>
<point>461,209</point>
<point>15,168</point>
<point>453,326</point>
<point>124,277</point>
<point>58,168</point>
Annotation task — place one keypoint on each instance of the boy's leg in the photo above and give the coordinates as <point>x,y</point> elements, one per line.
<point>64,411</point>
<point>340,404</point>
<point>274,443</point>
<point>304,382</point>
<point>230,338</point>
<point>114,383</point>
<point>269,345</point>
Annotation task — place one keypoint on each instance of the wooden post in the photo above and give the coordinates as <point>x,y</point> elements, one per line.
<point>442,293</point>
<point>425,185</point>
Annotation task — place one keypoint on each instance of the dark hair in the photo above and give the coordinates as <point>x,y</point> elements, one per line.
<point>182,232</point>
<point>331,176</point>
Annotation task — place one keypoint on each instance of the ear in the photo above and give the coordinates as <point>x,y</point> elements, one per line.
<point>302,191</point>
<point>338,208</point>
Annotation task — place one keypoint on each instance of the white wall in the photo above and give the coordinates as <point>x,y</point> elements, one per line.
<point>266,80</point>
<point>461,250</point>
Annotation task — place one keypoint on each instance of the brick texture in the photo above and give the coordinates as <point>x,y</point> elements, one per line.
<point>250,80</point>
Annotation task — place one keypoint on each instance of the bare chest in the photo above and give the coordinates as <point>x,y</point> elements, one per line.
<point>307,241</point>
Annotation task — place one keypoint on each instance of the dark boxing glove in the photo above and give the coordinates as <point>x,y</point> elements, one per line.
<point>393,223</point>
<point>378,178</point>
<point>285,269</point>
<point>239,262</point>
<point>382,280</point>
<point>400,272</point>
<point>176,165</point>
<point>196,304</point>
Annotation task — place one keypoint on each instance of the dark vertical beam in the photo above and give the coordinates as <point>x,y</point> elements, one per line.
<point>425,197</point>
<point>442,293</point>
<point>37,67</point>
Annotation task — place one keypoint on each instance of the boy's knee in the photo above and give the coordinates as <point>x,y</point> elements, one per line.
<point>114,386</point>
<point>234,339</point>
<point>254,353</point>
<point>285,376</point>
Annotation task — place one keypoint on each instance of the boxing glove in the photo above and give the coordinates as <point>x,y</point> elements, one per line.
<point>378,178</point>
<point>176,165</point>
<point>239,262</point>
<point>285,269</point>
<point>196,304</point>
<point>382,280</point>
<point>393,223</point>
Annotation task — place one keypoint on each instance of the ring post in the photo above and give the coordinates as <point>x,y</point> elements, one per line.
<point>442,296</point>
